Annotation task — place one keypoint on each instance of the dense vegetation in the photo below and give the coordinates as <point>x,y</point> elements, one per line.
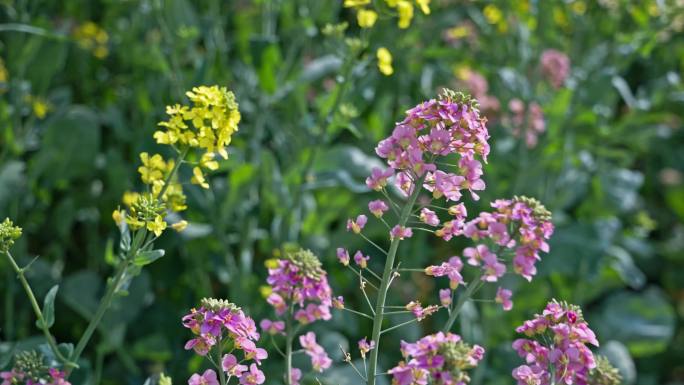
<point>583,103</point>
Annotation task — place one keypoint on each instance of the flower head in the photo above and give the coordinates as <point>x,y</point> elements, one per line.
<point>8,234</point>
<point>503,296</point>
<point>558,339</point>
<point>555,66</point>
<point>298,280</point>
<point>365,346</point>
<point>319,358</point>
<point>443,358</point>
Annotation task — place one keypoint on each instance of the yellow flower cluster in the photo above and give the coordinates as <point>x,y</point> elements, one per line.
<point>385,61</point>
<point>92,38</point>
<point>367,17</point>
<point>208,125</point>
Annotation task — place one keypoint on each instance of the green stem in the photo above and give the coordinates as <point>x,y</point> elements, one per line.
<point>222,374</point>
<point>99,313</point>
<point>470,290</point>
<point>289,338</point>
<point>384,284</point>
<point>39,314</point>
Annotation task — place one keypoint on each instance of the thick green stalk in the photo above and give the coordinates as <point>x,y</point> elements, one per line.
<point>100,312</point>
<point>384,284</point>
<point>39,313</point>
<point>470,290</point>
<point>289,338</point>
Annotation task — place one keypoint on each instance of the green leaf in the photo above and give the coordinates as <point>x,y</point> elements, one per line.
<point>644,322</point>
<point>49,308</point>
<point>146,257</point>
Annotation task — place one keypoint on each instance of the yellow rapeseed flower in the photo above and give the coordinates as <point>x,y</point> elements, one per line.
<point>355,3</point>
<point>180,225</point>
<point>405,10</point>
<point>209,124</point>
<point>118,216</point>
<point>493,14</point>
<point>366,18</point>
<point>208,162</point>
<point>198,178</point>
<point>580,7</point>
<point>40,107</point>
<point>424,6</point>
<point>91,37</point>
<point>130,197</point>
<point>391,3</point>
<point>385,61</point>
<point>157,226</point>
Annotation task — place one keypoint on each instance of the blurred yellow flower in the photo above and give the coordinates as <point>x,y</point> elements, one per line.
<point>405,10</point>
<point>198,178</point>
<point>180,225</point>
<point>579,7</point>
<point>118,216</point>
<point>3,72</point>
<point>40,107</point>
<point>492,13</point>
<point>366,18</point>
<point>424,6</point>
<point>385,61</point>
<point>91,37</point>
<point>130,197</point>
<point>355,3</point>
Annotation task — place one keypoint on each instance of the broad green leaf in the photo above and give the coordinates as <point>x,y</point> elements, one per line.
<point>644,321</point>
<point>49,308</point>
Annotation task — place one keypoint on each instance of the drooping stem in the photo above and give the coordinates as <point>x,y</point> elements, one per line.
<point>39,314</point>
<point>475,284</point>
<point>384,284</point>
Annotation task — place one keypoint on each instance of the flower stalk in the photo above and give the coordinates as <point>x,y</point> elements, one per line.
<point>387,274</point>
<point>39,314</point>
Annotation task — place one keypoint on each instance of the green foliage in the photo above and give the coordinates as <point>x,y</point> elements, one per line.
<point>73,120</point>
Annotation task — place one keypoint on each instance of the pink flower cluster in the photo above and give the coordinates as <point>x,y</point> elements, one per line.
<point>298,282</point>
<point>216,322</point>
<point>15,376</point>
<point>440,359</point>
<point>521,224</point>
<point>319,358</point>
<point>526,119</point>
<point>556,346</point>
<point>436,128</point>
<point>555,66</point>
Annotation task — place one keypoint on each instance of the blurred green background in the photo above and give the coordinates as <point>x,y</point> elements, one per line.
<point>83,84</point>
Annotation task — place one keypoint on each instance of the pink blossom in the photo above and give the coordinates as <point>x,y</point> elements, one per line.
<point>445,297</point>
<point>378,179</point>
<point>319,358</point>
<point>252,377</point>
<point>377,207</point>
<point>429,217</point>
<point>343,256</point>
<point>357,225</point>
<point>365,346</point>
<point>401,232</point>
<point>207,378</point>
<point>361,260</point>
<point>503,296</point>
<point>272,327</point>
<point>230,365</point>
<point>555,66</point>
<point>295,376</point>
